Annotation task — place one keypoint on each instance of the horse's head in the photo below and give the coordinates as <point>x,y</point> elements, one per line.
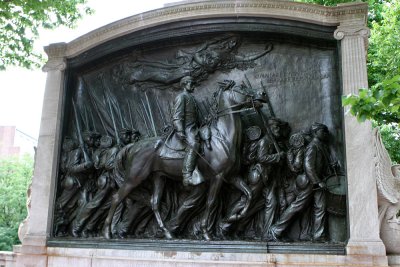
<point>233,93</point>
<point>241,96</point>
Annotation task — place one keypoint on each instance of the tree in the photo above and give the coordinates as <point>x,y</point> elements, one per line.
<point>20,21</point>
<point>381,102</point>
<point>15,176</point>
<point>391,139</point>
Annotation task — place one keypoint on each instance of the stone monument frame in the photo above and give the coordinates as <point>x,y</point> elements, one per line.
<point>347,23</point>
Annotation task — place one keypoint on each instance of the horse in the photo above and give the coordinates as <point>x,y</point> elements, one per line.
<point>142,160</point>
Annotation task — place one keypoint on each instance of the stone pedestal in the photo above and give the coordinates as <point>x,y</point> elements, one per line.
<point>63,257</point>
<point>364,237</point>
<point>394,261</point>
<point>33,251</point>
<point>364,247</point>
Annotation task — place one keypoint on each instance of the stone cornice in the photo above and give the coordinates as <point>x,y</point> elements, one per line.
<point>57,57</point>
<point>55,64</point>
<point>316,14</point>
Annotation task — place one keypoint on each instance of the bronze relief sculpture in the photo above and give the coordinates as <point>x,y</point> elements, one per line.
<point>186,146</point>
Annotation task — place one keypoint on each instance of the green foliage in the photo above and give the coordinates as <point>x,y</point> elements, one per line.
<point>20,21</point>
<point>381,101</point>
<point>15,176</point>
<point>326,2</point>
<point>376,11</point>
<point>391,139</point>
<point>376,7</point>
<point>384,46</point>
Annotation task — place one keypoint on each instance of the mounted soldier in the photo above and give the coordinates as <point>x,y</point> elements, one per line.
<point>186,124</point>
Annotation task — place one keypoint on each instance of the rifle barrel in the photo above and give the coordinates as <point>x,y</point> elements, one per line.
<point>79,133</point>
<point>151,115</point>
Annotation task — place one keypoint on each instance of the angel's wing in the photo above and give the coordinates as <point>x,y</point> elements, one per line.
<point>388,184</point>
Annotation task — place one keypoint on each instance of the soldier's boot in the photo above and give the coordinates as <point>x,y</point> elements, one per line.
<point>189,164</point>
<point>74,231</point>
<point>86,233</point>
<point>76,228</point>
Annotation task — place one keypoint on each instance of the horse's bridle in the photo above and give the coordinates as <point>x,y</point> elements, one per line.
<point>220,113</point>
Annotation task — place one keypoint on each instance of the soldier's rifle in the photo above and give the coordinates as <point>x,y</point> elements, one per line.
<point>141,114</point>
<point>93,100</point>
<point>166,124</point>
<point>271,111</point>
<point>120,117</point>
<point>115,106</point>
<point>150,112</point>
<point>147,115</point>
<point>114,124</point>
<point>86,120</point>
<point>79,133</point>
<point>265,122</point>
<point>130,113</point>
<point>268,129</point>
<point>161,113</point>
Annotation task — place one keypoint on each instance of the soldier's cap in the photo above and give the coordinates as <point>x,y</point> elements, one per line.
<point>297,140</point>
<point>106,141</point>
<point>135,132</point>
<point>253,132</point>
<point>186,79</point>
<point>93,134</point>
<point>277,121</point>
<point>317,126</point>
<point>69,143</point>
<point>125,131</point>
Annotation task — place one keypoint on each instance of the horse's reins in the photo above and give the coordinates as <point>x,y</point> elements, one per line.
<point>220,112</point>
<point>220,115</point>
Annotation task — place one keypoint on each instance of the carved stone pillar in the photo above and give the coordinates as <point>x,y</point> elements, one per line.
<point>39,223</point>
<point>362,192</point>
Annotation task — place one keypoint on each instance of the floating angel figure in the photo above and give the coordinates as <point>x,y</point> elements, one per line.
<point>217,54</point>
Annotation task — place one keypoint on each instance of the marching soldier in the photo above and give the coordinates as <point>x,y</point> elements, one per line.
<point>104,163</point>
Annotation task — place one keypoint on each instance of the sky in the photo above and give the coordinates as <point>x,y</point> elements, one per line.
<point>21,91</point>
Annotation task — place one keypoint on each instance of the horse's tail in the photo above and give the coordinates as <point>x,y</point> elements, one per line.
<point>119,171</point>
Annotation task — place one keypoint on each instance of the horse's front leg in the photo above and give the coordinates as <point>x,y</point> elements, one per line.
<point>158,190</point>
<point>246,190</point>
<point>116,199</point>
<point>211,205</point>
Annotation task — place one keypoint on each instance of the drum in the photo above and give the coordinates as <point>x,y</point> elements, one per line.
<point>336,207</point>
<point>336,195</point>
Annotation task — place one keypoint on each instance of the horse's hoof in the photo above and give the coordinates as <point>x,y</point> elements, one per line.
<point>272,236</point>
<point>107,233</point>
<point>223,231</point>
<point>121,235</point>
<point>74,232</point>
<point>168,235</point>
<point>207,236</point>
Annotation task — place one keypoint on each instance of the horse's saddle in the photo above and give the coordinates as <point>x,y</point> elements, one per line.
<point>174,148</point>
